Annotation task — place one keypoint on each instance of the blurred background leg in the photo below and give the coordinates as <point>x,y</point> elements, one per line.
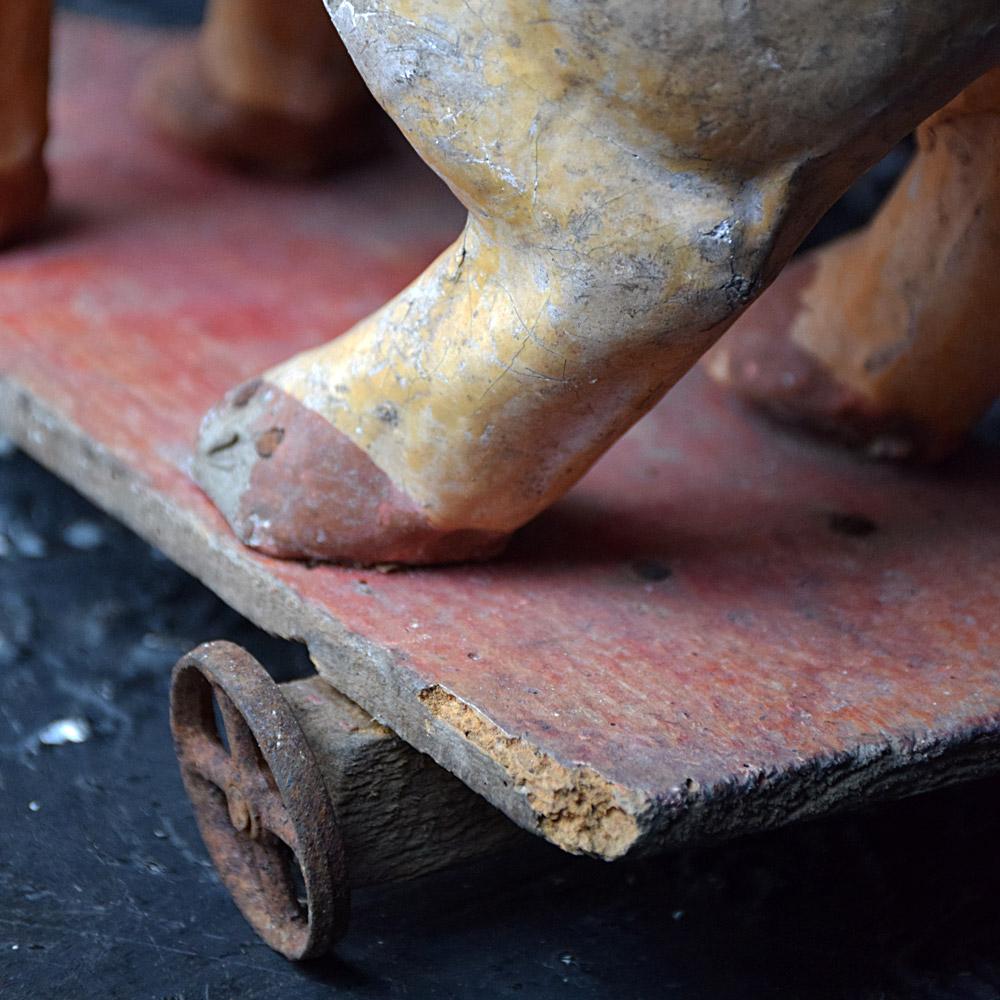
<point>24,80</point>
<point>266,86</point>
<point>890,339</point>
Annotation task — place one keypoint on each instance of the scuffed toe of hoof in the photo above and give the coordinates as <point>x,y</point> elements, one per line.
<point>23,192</point>
<point>293,486</point>
<point>760,362</point>
<point>179,101</point>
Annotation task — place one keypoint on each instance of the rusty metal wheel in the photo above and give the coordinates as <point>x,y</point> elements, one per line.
<point>259,797</point>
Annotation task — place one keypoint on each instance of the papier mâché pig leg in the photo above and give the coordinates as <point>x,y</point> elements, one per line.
<point>635,174</point>
<point>25,28</point>
<point>267,85</point>
<point>890,338</point>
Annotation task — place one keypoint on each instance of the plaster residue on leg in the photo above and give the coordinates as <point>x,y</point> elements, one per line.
<point>576,808</point>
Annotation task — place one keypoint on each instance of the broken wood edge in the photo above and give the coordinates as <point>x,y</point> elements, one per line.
<point>763,799</point>
<point>575,807</point>
<point>584,813</point>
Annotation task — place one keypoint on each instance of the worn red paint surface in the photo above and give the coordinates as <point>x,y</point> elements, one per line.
<point>698,606</point>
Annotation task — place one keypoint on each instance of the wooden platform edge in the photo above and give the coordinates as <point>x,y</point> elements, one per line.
<point>571,805</point>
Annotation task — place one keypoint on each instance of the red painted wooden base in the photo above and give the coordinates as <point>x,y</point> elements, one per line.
<point>723,627</point>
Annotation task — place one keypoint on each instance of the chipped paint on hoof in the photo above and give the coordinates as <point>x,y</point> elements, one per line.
<point>293,486</point>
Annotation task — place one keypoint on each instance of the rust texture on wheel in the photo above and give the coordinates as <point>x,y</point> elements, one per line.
<point>259,797</point>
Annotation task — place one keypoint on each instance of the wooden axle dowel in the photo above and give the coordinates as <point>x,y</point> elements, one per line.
<point>400,814</point>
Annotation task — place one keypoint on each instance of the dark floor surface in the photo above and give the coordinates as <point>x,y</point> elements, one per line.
<point>105,890</point>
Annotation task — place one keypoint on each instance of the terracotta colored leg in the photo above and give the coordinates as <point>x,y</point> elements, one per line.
<point>623,211</point>
<point>267,86</point>
<point>890,338</point>
<point>25,29</point>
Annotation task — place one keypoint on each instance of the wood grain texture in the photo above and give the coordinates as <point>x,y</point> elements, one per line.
<point>400,815</point>
<point>720,629</point>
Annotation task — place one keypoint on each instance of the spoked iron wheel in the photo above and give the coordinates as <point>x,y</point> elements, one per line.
<point>259,797</point>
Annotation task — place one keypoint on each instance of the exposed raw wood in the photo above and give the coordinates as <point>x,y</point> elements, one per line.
<point>577,808</point>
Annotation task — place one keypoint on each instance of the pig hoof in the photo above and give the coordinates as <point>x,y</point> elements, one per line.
<point>176,97</point>
<point>293,486</point>
<point>23,190</point>
<point>759,360</point>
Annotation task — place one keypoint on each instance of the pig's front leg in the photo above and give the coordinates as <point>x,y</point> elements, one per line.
<point>635,173</point>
